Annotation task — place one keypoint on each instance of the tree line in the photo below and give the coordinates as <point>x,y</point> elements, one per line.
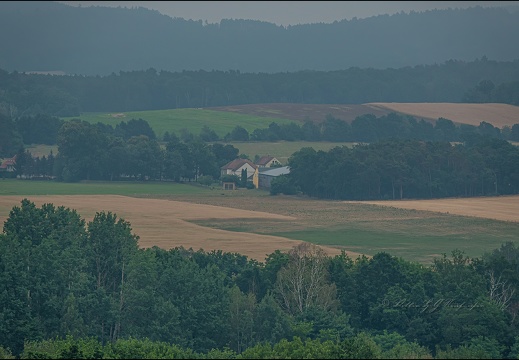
<point>487,92</point>
<point>76,289</point>
<point>66,96</point>
<point>369,128</point>
<point>405,158</point>
<point>93,152</point>
<point>43,129</point>
<point>398,169</point>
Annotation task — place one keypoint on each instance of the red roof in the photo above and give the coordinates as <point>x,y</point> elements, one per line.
<point>264,160</point>
<point>237,163</point>
<point>8,162</point>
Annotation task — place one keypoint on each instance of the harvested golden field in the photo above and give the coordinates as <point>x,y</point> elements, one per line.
<point>498,115</point>
<point>505,208</point>
<point>253,223</point>
<point>166,223</point>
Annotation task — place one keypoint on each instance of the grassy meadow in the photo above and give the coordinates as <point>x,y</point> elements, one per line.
<point>364,228</point>
<point>125,188</point>
<point>193,120</point>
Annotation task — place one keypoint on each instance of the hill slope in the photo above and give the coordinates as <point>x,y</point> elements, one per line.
<point>99,40</point>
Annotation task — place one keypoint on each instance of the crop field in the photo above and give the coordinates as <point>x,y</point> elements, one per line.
<point>39,150</point>
<point>302,112</point>
<point>498,115</point>
<point>193,120</point>
<point>166,224</point>
<point>253,223</point>
<point>418,235</point>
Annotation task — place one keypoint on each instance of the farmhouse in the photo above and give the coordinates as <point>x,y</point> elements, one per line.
<point>236,166</point>
<point>263,177</point>
<point>268,161</point>
<point>8,165</point>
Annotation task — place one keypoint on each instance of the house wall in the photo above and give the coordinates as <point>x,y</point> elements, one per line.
<point>255,178</point>
<point>226,172</point>
<point>264,181</point>
<point>250,171</point>
<point>273,162</point>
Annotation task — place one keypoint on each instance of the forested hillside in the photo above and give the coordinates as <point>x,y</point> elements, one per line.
<point>100,40</point>
<point>481,80</point>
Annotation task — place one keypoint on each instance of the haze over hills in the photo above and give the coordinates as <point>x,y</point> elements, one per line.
<point>49,36</point>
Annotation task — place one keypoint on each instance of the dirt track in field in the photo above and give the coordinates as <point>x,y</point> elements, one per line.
<point>165,223</point>
<point>505,208</point>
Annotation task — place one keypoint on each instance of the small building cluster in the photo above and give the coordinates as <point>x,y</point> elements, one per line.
<point>8,165</point>
<point>260,173</point>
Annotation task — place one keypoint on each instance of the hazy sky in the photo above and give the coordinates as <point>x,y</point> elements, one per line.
<point>288,12</point>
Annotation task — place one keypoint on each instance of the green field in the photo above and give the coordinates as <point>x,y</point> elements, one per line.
<point>414,246</point>
<point>32,187</point>
<point>411,234</point>
<point>193,120</point>
<point>412,243</point>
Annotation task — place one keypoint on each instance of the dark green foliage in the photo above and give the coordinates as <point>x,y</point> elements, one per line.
<point>238,134</point>
<point>224,153</point>
<point>74,290</point>
<point>42,265</point>
<point>231,178</point>
<point>80,148</point>
<point>10,139</point>
<point>208,135</point>
<point>282,185</point>
<point>149,90</point>
<point>408,169</point>
<point>134,128</point>
<point>245,45</point>
<point>243,178</point>
<point>39,129</point>
<point>487,92</point>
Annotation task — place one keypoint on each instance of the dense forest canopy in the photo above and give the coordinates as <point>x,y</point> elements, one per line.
<point>408,169</point>
<point>76,289</point>
<point>99,40</point>
<point>481,80</point>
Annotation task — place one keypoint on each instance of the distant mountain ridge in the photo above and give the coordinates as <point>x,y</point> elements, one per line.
<point>50,36</point>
